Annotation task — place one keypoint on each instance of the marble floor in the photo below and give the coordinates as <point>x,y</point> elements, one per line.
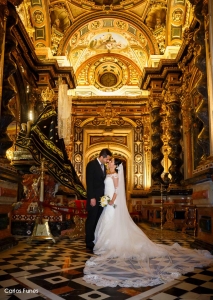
<point>46,270</point>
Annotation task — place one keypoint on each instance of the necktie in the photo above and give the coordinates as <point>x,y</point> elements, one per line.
<point>102,167</point>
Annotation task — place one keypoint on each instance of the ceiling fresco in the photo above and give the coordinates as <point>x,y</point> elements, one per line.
<point>107,42</point>
<point>109,36</point>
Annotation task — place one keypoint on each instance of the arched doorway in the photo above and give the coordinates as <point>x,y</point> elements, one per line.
<point>118,151</point>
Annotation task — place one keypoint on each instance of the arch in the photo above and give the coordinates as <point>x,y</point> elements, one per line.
<point>153,46</point>
<point>92,59</point>
<point>116,150</point>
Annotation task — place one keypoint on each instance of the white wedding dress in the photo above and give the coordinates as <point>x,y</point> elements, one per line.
<point>126,257</point>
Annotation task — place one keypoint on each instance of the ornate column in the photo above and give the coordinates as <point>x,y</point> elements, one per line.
<point>4,12</point>
<point>174,122</point>
<point>156,138</point>
<point>78,148</point>
<point>187,118</point>
<point>200,63</point>
<point>208,14</point>
<point>138,155</point>
<point>9,177</point>
<point>187,107</point>
<point>165,137</point>
<point>147,153</point>
<point>7,89</point>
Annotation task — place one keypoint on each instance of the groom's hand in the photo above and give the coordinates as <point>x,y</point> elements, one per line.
<point>93,202</point>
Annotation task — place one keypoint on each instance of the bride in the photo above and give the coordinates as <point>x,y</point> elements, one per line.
<point>125,256</point>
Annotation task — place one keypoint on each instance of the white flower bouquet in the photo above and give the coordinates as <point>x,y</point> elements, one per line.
<point>105,201</point>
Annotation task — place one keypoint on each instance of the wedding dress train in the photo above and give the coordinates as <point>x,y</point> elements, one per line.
<point>126,257</point>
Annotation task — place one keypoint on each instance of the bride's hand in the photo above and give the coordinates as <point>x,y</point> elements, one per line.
<point>111,202</point>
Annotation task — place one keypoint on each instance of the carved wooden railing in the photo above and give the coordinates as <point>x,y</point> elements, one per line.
<point>77,211</point>
<point>186,220</point>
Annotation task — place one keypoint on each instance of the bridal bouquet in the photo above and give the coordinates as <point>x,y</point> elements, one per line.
<point>105,201</point>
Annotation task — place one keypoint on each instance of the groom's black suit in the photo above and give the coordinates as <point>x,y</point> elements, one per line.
<point>95,189</point>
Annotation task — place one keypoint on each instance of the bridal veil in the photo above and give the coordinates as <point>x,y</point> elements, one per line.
<point>126,257</point>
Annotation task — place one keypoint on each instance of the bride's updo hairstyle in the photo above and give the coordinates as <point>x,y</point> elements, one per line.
<point>117,162</point>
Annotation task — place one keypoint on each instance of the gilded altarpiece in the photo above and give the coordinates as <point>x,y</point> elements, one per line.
<point>127,138</point>
<point>193,107</point>
<point>78,148</point>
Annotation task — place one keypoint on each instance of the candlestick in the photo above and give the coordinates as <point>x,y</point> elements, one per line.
<point>42,182</point>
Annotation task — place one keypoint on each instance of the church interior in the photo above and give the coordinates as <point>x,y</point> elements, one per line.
<point>79,76</point>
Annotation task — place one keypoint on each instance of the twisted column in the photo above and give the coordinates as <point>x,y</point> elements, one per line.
<point>186,101</point>
<point>157,142</point>
<point>173,106</point>
<point>8,90</point>
<point>200,62</point>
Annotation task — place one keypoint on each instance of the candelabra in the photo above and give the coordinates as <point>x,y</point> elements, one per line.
<point>41,229</point>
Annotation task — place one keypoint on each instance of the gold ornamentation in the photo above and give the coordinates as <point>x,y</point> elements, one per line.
<point>78,158</point>
<point>56,37</point>
<point>38,16</point>
<point>155,101</point>
<point>24,12</point>
<point>169,224</point>
<point>9,153</point>
<point>173,94</point>
<point>108,113</point>
<point>79,230</point>
<point>74,38</point>
<point>78,122</point>
<point>121,24</point>
<point>41,230</point>
<point>95,25</point>
<point>107,8</point>
<point>142,39</point>
<point>177,15</point>
<point>138,158</point>
<point>47,95</point>
<point>160,35</point>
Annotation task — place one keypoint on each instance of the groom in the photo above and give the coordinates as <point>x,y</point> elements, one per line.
<point>95,175</point>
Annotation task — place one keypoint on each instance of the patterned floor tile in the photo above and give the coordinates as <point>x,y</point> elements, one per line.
<point>55,270</point>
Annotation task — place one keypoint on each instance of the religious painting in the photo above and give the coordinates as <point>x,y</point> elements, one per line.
<point>108,41</point>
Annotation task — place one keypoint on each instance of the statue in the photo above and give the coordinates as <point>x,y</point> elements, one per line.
<point>42,141</point>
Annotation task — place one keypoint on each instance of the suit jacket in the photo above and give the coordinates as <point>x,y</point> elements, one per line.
<point>95,181</point>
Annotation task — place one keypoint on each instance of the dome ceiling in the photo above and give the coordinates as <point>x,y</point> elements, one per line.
<point>108,73</point>
<point>107,42</point>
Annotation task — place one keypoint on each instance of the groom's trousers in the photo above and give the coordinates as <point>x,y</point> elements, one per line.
<point>93,216</point>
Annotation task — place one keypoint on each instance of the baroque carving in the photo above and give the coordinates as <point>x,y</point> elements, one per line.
<point>8,90</point>
<point>175,136</point>
<point>138,156</point>
<point>56,37</point>
<point>38,16</point>
<point>155,20</point>
<point>95,24</point>
<point>77,150</point>
<point>200,63</point>
<point>108,113</point>
<point>121,24</point>
<point>60,22</point>
<point>177,15</point>
<point>23,11</point>
<point>157,142</point>
<point>186,102</point>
